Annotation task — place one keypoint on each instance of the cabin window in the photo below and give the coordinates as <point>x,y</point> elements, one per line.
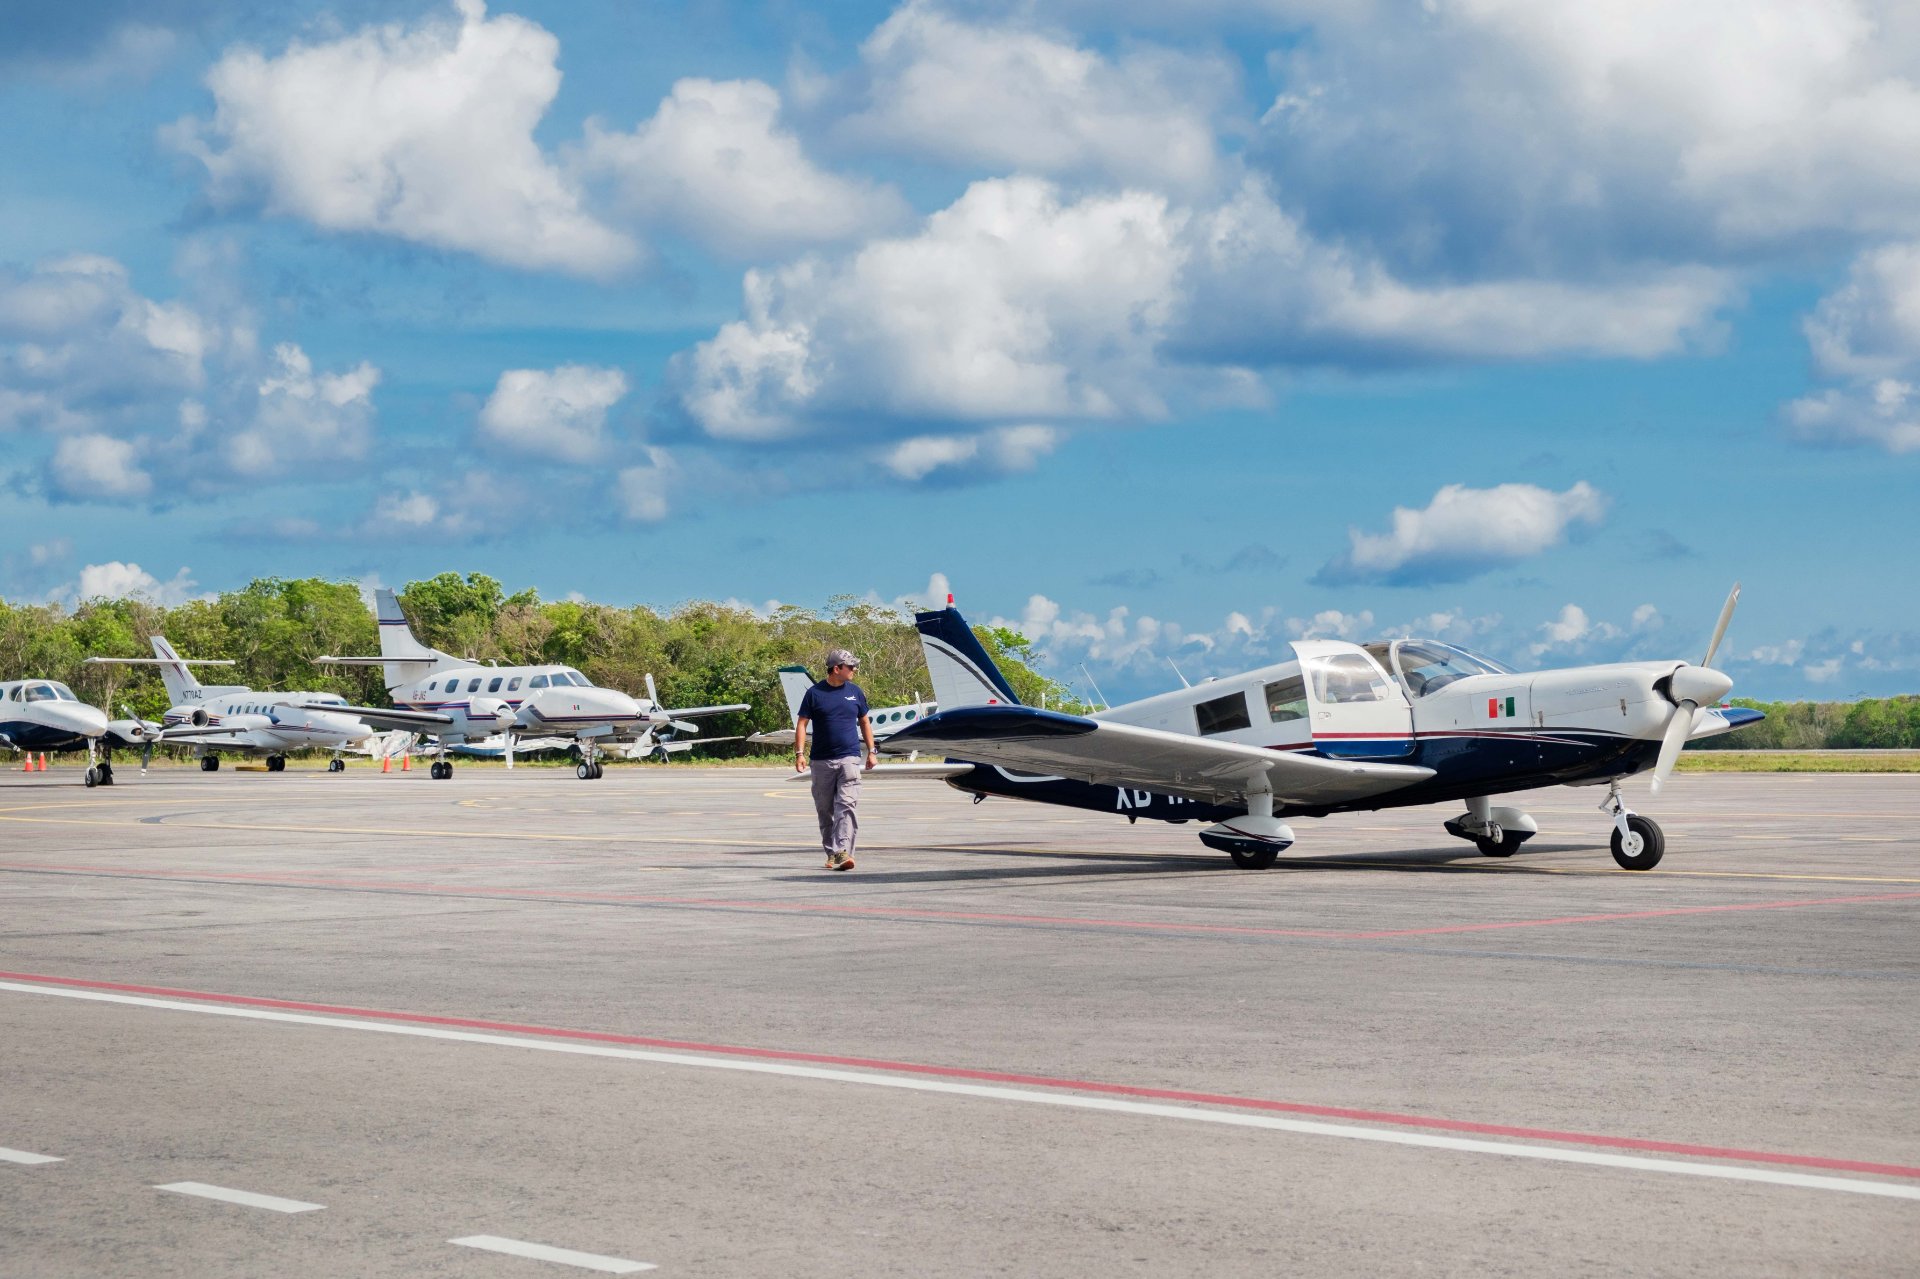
<point>1347,677</point>
<point>513,684</point>
<point>493,685</point>
<point>910,714</point>
<point>1223,714</point>
<point>538,681</point>
<point>473,685</point>
<point>1287,699</point>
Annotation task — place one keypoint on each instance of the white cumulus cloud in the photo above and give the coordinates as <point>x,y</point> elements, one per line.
<point>301,417</point>
<point>424,133</point>
<point>559,413</point>
<point>127,580</point>
<point>1013,97</point>
<point>715,164</point>
<point>1867,335</point>
<point>1464,531</point>
<point>92,468</point>
<point>645,492</point>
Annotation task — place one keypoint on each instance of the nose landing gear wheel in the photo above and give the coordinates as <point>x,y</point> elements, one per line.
<point>92,778</point>
<point>1643,845</point>
<point>1499,844</point>
<point>336,766</point>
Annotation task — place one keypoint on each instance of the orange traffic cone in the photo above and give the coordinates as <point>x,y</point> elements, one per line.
<point>386,763</point>
<point>43,761</point>
<point>406,763</point>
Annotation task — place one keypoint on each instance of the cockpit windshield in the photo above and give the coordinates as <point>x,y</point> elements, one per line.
<point>1429,666</point>
<point>50,692</point>
<point>571,676</point>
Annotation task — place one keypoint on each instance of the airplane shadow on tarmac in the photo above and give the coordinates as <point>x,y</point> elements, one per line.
<point>1066,864</point>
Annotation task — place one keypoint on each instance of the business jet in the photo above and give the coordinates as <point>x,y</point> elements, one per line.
<point>1341,728</point>
<point>886,720</point>
<point>456,701</point>
<point>233,717</point>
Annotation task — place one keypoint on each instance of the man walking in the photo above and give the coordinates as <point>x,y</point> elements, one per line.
<point>836,710</point>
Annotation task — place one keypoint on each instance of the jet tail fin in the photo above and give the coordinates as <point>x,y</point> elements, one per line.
<point>182,684</point>
<point>794,683</point>
<point>405,658</point>
<point>963,674</point>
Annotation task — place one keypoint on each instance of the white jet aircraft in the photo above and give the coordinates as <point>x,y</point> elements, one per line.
<point>233,717</point>
<point>1342,728</point>
<point>886,720</point>
<point>456,701</point>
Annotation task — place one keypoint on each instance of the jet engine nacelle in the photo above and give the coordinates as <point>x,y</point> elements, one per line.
<point>482,709</point>
<point>197,717</point>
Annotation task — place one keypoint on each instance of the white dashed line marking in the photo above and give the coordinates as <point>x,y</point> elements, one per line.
<point>245,1198</point>
<point>562,1256</point>
<point>25,1157</point>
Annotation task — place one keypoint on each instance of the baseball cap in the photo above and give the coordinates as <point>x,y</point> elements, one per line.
<point>840,657</point>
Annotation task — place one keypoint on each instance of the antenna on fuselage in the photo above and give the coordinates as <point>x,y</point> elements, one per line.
<point>1184,681</point>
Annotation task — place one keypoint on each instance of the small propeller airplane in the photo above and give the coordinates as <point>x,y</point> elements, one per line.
<point>455,701</point>
<point>1341,728</point>
<point>886,720</point>
<point>233,717</point>
<point>45,715</point>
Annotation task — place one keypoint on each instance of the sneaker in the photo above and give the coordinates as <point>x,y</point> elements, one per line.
<point>833,862</point>
<point>845,862</point>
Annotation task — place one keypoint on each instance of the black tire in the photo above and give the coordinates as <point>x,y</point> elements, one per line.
<point>92,778</point>
<point>1506,846</point>
<point>1651,841</point>
<point>106,774</point>
<point>583,770</point>
<point>1261,859</point>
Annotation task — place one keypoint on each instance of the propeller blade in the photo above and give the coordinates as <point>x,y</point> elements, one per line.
<point>1720,630</point>
<point>1678,726</point>
<point>652,696</point>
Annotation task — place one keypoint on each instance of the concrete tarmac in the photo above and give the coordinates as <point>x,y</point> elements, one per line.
<point>634,1021</point>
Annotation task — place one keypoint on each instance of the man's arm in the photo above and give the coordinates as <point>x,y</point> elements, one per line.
<point>800,745</point>
<point>866,731</point>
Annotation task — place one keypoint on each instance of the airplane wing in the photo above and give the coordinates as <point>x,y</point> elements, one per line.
<point>695,712</point>
<point>190,732</point>
<point>384,716</point>
<point>1112,754</point>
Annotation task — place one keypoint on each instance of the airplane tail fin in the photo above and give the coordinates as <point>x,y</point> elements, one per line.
<point>794,682</point>
<point>963,674</point>
<point>405,658</point>
<point>182,686</point>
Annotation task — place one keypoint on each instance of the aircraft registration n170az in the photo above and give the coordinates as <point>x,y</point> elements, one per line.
<point>1342,728</point>
<point>455,700</point>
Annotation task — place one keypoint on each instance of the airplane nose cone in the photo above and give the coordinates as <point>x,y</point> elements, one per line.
<point>1701,685</point>
<point>77,717</point>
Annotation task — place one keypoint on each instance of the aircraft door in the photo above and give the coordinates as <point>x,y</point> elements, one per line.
<point>1357,710</point>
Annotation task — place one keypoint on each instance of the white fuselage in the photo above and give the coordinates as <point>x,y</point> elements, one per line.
<point>256,722</point>
<point>548,700</point>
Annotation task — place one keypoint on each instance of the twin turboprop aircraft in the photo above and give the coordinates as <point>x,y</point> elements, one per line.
<point>1342,728</point>
<point>455,701</point>
<point>233,717</point>
<point>886,720</point>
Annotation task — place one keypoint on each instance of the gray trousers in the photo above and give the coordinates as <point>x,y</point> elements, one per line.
<point>836,789</point>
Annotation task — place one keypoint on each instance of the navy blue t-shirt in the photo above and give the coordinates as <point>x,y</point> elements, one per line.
<point>834,714</point>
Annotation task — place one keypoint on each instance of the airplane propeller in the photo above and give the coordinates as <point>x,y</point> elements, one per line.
<point>1690,688</point>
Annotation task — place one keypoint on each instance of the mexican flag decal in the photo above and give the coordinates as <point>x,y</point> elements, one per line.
<point>1500,708</point>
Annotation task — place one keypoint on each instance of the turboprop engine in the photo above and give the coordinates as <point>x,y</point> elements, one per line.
<point>491,709</point>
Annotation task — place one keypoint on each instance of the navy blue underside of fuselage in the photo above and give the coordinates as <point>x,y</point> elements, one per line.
<point>1463,767</point>
<point>29,736</point>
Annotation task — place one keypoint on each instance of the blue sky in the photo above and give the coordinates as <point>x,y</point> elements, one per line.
<point>1528,325</point>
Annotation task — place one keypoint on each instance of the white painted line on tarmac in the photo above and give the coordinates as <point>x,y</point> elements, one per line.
<point>564,1256</point>
<point>997,1092</point>
<point>11,1156</point>
<point>245,1198</point>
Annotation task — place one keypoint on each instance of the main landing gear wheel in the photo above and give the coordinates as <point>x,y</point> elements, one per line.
<point>441,771</point>
<point>276,763</point>
<point>106,773</point>
<point>588,772</point>
<point>209,763</point>
<point>336,766</point>
<point>1642,846</point>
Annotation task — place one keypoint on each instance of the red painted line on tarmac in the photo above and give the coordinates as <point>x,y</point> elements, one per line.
<point>917,912</point>
<point>1392,1118</point>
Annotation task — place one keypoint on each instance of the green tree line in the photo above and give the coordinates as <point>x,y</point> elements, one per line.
<point>1874,723</point>
<point>699,653</point>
